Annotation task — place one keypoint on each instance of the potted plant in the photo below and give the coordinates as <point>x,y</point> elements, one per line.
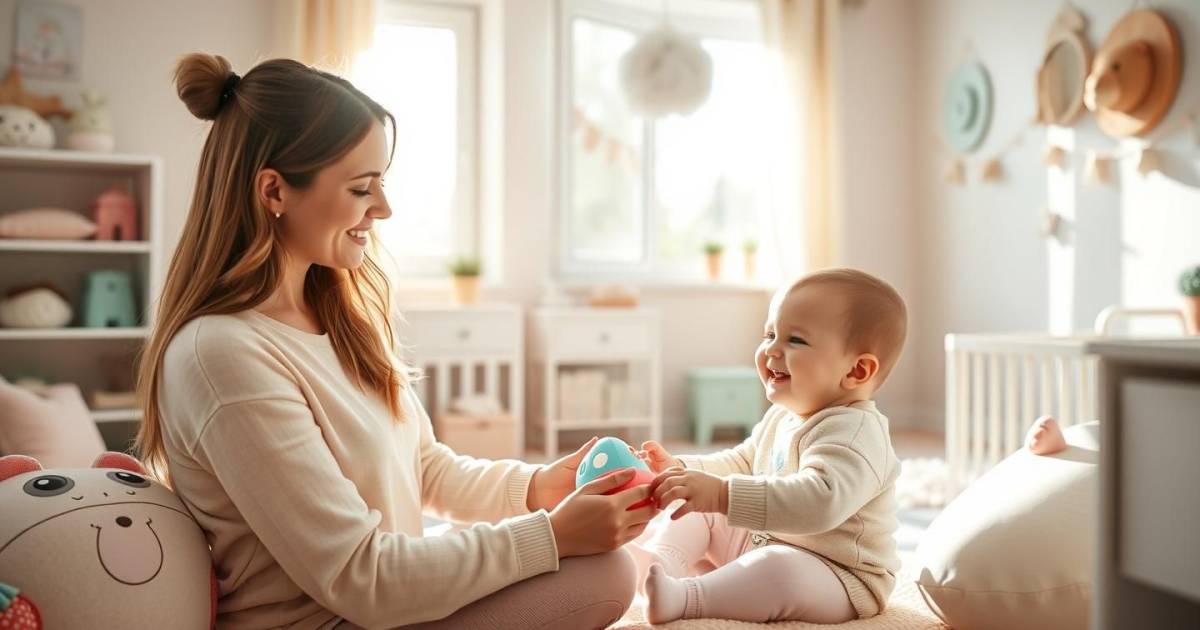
<point>712,250</point>
<point>465,272</point>
<point>1189,286</point>
<point>749,249</point>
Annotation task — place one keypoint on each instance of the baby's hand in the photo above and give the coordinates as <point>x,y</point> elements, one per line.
<point>700,491</point>
<point>657,457</point>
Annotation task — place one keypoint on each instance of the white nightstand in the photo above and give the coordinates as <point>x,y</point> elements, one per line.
<point>472,349</point>
<point>596,370</point>
<point>1148,569</point>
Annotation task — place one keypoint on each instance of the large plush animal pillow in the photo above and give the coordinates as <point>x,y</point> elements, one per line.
<point>100,547</point>
<point>1015,549</point>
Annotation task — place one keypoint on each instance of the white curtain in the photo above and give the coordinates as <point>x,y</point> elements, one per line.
<point>328,34</point>
<point>801,36</point>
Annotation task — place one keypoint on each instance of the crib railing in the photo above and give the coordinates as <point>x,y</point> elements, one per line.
<point>998,384</point>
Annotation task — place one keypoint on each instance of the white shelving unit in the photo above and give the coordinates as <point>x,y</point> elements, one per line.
<point>622,345</point>
<point>72,180</point>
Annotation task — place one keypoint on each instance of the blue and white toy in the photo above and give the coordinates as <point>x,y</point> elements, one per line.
<point>608,456</point>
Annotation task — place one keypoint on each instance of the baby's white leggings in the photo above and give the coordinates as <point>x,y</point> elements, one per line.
<point>747,583</point>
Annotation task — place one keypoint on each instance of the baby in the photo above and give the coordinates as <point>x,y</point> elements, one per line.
<point>798,519</point>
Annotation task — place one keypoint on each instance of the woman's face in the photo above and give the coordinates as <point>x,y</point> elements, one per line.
<point>328,222</point>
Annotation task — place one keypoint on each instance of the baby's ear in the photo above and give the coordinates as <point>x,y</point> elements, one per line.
<point>865,367</point>
<point>13,465</point>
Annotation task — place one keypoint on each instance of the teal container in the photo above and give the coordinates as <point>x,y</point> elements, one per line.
<point>108,300</point>
<point>724,396</point>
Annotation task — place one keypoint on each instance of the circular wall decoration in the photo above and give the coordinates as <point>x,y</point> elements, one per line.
<point>1135,75</point>
<point>967,107</point>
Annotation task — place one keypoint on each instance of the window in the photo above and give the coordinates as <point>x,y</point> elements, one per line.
<point>423,68</point>
<point>640,198</point>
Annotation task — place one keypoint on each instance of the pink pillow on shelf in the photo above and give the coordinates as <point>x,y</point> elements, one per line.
<point>54,427</point>
<point>46,223</point>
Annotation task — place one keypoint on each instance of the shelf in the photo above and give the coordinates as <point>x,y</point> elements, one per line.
<point>116,415</point>
<point>23,334</point>
<point>85,247</point>
<point>74,159</point>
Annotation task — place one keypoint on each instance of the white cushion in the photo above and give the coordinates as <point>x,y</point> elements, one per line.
<point>46,223</point>
<point>1016,548</point>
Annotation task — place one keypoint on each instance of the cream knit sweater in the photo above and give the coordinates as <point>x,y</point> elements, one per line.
<point>311,497</point>
<point>825,483</point>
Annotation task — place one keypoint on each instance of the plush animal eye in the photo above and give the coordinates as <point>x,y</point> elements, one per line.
<point>129,479</point>
<point>48,485</point>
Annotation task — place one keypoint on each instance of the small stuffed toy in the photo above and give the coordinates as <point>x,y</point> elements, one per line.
<point>91,126</point>
<point>608,456</point>
<point>21,127</point>
<point>104,547</point>
<point>35,306</point>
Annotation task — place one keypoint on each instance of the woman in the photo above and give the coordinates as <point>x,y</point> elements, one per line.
<point>275,408</point>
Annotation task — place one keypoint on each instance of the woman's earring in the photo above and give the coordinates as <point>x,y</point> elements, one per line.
<point>276,215</point>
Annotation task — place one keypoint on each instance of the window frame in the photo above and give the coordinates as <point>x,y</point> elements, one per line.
<point>466,211</point>
<point>639,21</point>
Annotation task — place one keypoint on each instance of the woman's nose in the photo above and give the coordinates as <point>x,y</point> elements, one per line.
<point>381,210</point>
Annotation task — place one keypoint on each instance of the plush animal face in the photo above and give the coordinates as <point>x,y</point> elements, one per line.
<point>20,127</point>
<point>102,547</point>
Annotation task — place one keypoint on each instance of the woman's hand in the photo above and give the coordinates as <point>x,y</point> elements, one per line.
<point>657,457</point>
<point>553,482</point>
<point>589,522</point>
<point>700,491</point>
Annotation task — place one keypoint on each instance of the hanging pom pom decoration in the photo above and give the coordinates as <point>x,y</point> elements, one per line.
<point>992,171</point>
<point>666,72</point>
<point>1149,161</point>
<point>955,172</point>
<point>1053,155</point>
<point>1097,168</point>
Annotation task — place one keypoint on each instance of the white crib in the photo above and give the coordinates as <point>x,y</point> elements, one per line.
<point>998,384</point>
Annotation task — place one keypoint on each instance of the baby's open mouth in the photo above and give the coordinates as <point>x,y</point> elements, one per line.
<point>777,376</point>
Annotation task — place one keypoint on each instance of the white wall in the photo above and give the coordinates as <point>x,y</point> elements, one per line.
<point>981,264</point>
<point>876,107</point>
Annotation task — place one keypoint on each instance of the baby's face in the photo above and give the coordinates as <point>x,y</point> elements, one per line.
<point>803,355</point>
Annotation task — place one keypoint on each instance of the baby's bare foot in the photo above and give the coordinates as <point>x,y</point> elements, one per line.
<point>1045,437</point>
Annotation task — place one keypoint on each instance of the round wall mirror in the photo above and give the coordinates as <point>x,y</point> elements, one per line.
<point>1061,79</point>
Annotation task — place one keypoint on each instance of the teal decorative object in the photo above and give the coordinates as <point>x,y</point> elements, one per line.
<point>108,300</point>
<point>967,107</point>
<point>724,396</point>
<point>608,456</point>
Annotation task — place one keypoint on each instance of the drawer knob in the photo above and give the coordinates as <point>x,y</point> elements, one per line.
<point>604,338</point>
<point>464,334</point>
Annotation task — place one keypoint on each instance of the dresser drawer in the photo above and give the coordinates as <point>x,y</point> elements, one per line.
<point>461,332</point>
<point>586,338</point>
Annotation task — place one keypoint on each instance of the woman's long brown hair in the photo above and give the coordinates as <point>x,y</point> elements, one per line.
<point>297,120</point>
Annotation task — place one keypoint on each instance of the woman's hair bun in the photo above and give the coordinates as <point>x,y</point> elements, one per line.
<point>200,79</point>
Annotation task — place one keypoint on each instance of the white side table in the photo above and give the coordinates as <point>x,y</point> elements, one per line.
<point>612,354</point>
<point>1148,566</point>
<point>468,350</point>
